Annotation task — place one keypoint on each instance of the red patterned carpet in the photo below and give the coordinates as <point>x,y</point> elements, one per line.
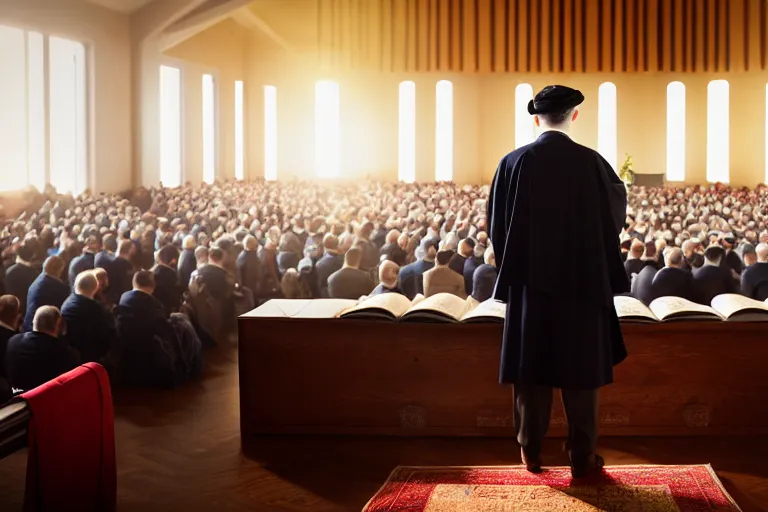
<point>507,489</point>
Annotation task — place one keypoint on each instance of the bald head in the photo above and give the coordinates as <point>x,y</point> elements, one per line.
<point>47,320</point>
<point>762,253</point>
<point>87,284</point>
<point>388,271</point>
<point>54,267</point>
<point>636,249</point>
<point>10,309</point>
<point>673,257</point>
<point>250,243</point>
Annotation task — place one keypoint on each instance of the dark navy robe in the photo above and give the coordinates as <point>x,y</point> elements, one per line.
<point>561,328</point>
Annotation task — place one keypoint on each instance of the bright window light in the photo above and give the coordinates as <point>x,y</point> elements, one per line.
<point>13,101</point>
<point>68,120</point>
<point>606,123</point>
<point>270,132</point>
<point>239,131</point>
<point>676,131</point>
<point>524,128</point>
<point>209,129</point>
<point>36,110</point>
<point>718,134</point>
<point>444,131</point>
<point>327,162</point>
<point>170,126</point>
<point>406,169</point>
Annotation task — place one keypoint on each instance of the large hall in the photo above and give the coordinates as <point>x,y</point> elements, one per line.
<point>383,255</point>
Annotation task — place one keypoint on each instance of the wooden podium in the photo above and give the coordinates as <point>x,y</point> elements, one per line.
<point>315,375</point>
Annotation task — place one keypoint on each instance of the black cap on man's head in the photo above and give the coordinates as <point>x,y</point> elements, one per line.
<point>555,99</point>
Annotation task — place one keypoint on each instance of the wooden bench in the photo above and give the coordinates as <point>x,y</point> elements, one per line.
<point>350,377</point>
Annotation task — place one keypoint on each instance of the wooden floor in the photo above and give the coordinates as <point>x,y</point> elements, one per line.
<point>180,450</point>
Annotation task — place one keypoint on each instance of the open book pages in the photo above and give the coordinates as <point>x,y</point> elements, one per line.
<point>488,311</point>
<point>438,308</point>
<point>302,308</point>
<point>738,308</point>
<point>385,306</point>
<point>629,309</point>
<point>677,308</point>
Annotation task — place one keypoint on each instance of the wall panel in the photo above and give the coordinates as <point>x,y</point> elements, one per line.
<point>544,36</point>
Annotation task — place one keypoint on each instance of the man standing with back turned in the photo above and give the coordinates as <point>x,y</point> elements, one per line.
<point>561,329</point>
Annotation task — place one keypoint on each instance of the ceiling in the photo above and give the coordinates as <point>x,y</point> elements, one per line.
<point>126,6</point>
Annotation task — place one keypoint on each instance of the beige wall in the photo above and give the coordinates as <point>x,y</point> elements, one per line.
<point>220,51</point>
<point>108,38</point>
<point>484,127</point>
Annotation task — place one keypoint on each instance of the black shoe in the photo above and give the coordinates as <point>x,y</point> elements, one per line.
<point>532,464</point>
<point>581,468</point>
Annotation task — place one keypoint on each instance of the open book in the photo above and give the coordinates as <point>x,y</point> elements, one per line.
<point>439,308</point>
<point>726,307</point>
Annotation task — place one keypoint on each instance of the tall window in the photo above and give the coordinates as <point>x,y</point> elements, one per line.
<point>718,133</point>
<point>524,127</point>
<point>406,168</point>
<point>606,123</point>
<point>67,122</point>
<point>36,152</point>
<point>239,131</point>
<point>37,148</point>
<point>270,132</point>
<point>13,111</point>
<point>327,161</point>
<point>444,131</point>
<point>676,131</point>
<point>209,129</point>
<point>170,126</point>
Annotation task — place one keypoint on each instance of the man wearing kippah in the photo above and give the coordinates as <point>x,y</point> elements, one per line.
<point>561,328</point>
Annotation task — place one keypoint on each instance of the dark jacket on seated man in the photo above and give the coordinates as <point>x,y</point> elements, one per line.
<point>18,279</point>
<point>674,282</point>
<point>642,285</point>
<point>249,266</point>
<point>329,263</point>
<point>86,261</point>
<point>711,279</point>
<point>146,340</point>
<point>469,272</point>
<point>483,282</point>
<point>34,358</point>
<point>412,275</point>
<point>45,291</point>
<point>187,265</point>
<point>754,280</point>
<point>168,288</point>
<point>350,282</point>
<point>90,327</point>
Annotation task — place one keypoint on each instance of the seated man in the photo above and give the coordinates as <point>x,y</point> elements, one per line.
<point>484,279</point>
<point>412,275</point>
<point>90,327</point>
<point>106,258</point>
<point>249,265</point>
<point>122,271</point>
<point>642,284</point>
<point>711,279</point>
<point>388,271</point>
<point>754,279</point>
<point>49,289</point>
<point>442,279</point>
<point>466,251</point>
<point>20,276</point>
<point>350,282</point>
<point>10,315</point>
<point>34,358</point>
<point>168,289</point>
<point>153,349</point>
<point>330,262</point>
<point>86,261</point>
<point>672,280</point>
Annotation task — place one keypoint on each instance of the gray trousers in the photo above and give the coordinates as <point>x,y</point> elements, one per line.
<point>533,407</point>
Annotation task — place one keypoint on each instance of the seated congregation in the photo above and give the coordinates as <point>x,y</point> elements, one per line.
<point>141,282</point>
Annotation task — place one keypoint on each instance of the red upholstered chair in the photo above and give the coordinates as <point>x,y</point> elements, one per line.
<point>71,461</point>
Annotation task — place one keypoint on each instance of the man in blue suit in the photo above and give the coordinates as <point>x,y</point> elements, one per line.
<point>47,290</point>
